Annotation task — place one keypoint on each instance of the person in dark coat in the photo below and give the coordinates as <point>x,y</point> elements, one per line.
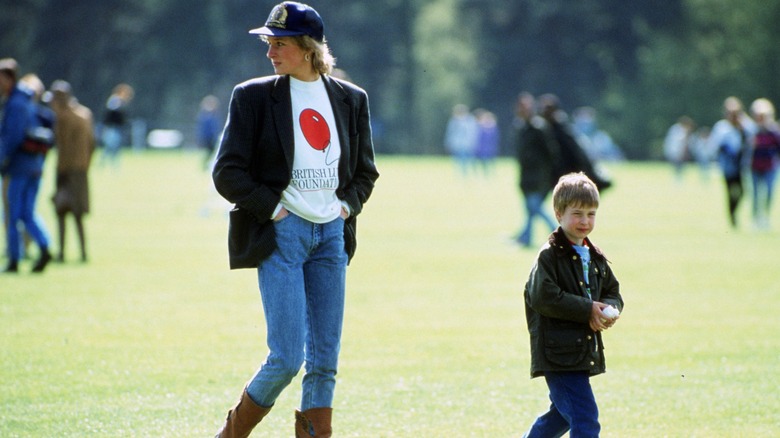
<point>571,156</point>
<point>297,160</point>
<point>536,157</point>
<point>571,296</point>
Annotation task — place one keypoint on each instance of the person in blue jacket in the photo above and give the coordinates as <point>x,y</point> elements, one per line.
<point>22,162</point>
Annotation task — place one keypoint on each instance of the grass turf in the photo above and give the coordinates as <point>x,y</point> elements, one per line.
<point>155,336</point>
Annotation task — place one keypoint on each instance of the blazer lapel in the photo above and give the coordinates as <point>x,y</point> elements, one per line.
<point>282,115</point>
<point>341,112</point>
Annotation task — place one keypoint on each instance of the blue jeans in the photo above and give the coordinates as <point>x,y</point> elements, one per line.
<point>22,195</point>
<point>573,408</point>
<point>112,142</point>
<point>763,191</point>
<point>533,208</point>
<point>302,285</point>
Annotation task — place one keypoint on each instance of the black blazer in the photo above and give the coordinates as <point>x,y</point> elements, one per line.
<point>254,162</point>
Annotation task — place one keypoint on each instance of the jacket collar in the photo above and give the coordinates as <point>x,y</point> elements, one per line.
<point>563,246</point>
<point>281,89</point>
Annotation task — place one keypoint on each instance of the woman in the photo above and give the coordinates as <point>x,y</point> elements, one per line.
<point>297,160</point>
<point>764,160</point>
<point>75,144</point>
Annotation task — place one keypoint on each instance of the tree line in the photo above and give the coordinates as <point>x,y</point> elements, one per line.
<point>640,64</point>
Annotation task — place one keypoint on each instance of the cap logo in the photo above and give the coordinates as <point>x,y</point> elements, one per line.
<point>278,17</point>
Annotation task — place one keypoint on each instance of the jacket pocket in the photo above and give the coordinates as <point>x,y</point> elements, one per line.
<point>565,347</point>
<point>249,241</point>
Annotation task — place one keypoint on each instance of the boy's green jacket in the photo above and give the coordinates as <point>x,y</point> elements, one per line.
<point>558,309</point>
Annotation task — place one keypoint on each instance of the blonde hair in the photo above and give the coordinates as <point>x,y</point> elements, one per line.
<point>732,104</point>
<point>575,189</point>
<point>32,82</point>
<point>763,107</point>
<point>124,91</point>
<point>322,60</point>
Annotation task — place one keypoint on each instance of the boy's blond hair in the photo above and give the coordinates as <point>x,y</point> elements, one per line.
<point>575,189</point>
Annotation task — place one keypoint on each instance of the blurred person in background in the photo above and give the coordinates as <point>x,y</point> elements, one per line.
<point>536,157</point>
<point>677,144</point>
<point>700,152</point>
<point>75,143</point>
<point>297,160</point>
<point>114,123</point>
<point>22,153</point>
<point>572,157</point>
<point>488,140</point>
<point>460,137</point>
<point>730,140</point>
<point>41,139</point>
<point>598,144</point>
<point>764,160</point>
<point>209,127</point>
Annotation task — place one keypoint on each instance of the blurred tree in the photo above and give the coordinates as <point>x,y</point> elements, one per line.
<point>719,48</point>
<point>94,46</point>
<point>18,27</point>
<point>641,64</point>
<point>373,42</point>
<point>446,68</point>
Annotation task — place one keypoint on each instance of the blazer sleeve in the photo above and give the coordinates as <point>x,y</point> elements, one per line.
<point>233,168</point>
<point>362,164</point>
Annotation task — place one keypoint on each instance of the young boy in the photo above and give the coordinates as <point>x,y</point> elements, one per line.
<point>568,290</point>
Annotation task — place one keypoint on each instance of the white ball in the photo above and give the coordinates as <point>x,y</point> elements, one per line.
<point>610,311</point>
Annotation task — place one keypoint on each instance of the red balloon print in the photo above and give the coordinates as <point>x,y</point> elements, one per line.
<point>315,129</point>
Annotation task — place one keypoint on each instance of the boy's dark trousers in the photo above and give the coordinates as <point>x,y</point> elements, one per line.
<point>573,408</point>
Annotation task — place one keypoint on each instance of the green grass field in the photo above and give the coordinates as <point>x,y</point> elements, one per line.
<point>155,337</point>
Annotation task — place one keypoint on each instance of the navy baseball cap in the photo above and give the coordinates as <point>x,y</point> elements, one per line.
<point>291,19</point>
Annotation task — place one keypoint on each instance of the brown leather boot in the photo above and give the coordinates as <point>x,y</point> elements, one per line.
<point>242,418</point>
<point>314,422</point>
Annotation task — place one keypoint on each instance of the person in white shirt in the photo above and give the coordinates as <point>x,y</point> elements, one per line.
<point>297,160</point>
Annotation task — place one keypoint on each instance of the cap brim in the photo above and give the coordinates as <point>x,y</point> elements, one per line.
<point>274,31</point>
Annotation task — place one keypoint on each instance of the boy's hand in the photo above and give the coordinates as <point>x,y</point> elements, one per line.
<point>598,320</point>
